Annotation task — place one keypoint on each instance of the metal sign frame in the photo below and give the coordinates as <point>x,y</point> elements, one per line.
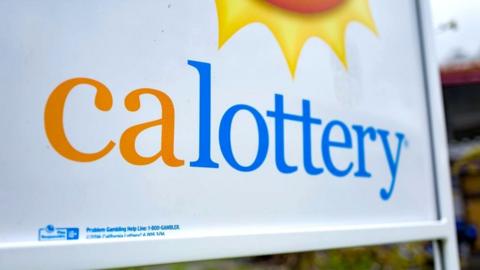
<point>214,245</point>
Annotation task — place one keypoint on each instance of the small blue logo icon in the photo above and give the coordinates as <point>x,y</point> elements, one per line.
<point>50,228</point>
<point>50,233</point>
<point>72,233</point>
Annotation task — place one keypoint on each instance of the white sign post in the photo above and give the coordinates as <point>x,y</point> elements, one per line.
<point>146,132</point>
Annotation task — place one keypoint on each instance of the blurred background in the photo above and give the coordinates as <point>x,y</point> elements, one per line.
<point>457,36</point>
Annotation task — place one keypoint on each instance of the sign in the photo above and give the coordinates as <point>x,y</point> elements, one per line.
<point>149,132</point>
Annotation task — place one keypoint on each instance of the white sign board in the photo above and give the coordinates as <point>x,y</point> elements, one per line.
<point>142,132</point>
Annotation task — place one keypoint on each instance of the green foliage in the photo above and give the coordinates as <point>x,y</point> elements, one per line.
<point>391,257</point>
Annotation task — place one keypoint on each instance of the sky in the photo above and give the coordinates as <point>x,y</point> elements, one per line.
<point>467,36</point>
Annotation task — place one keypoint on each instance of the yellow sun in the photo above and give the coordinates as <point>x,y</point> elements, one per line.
<point>293,22</point>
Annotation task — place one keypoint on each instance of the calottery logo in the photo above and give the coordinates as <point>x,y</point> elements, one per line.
<point>293,22</point>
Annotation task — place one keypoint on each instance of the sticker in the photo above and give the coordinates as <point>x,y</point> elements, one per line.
<point>50,233</point>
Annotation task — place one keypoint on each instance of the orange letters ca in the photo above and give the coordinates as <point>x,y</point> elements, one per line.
<point>103,101</point>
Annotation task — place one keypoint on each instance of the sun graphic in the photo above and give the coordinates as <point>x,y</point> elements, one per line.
<point>293,22</point>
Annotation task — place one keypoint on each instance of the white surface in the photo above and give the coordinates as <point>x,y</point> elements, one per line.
<point>130,45</point>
